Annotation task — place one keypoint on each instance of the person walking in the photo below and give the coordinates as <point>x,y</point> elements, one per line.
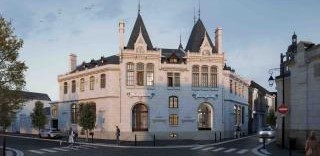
<point>71,138</point>
<point>118,135</point>
<point>311,146</point>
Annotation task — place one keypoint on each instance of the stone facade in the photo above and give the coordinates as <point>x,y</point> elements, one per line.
<point>183,93</point>
<point>302,91</point>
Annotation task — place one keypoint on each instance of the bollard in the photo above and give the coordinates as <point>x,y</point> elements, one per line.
<point>215,136</point>
<point>240,134</point>
<point>220,136</point>
<point>264,142</point>
<point>135,140</point>
<point>4,146</point>
<point>154,140</point>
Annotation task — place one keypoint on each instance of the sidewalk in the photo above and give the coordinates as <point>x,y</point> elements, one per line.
<point>276,150</point>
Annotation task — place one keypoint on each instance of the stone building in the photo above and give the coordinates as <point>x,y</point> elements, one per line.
<point>22,122</point>
<point>179,93</point>
<point>261,104</point>
<point>302,90</point>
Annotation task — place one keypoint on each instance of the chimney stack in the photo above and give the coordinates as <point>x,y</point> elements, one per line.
<point>72,62</point>
<point>218,40</point>
<point>121,34</point>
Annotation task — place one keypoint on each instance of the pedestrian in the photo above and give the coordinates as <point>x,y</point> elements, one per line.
<point>311,146</point>
<point>118,135</point>
<point>71,136</point>
<point>75,136</point>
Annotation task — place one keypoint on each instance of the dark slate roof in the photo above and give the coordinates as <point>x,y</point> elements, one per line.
<point>260,88</point>
<point>135,33</point>
<point>228,68</point>
<point>179,53</point>
<point>114,59</point>
<point>196,38</point>
<point>35,96</point>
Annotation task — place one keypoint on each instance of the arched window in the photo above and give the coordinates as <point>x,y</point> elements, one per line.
<point>214,77</point>
<point>82,84</point>
<point>204,76</point>
<point>130,74</point>
<point>173,102</point>
<point>92,83</point>
<point>140,74</point>
<point>204,117</point>
<point>65,87</point>
<point>140,118</point>
<point>73,86</point>
<point>195,76</point>
<point>74,113</point>
<point>54,112</point>
<point>103,81</point>
<point>150,74</point>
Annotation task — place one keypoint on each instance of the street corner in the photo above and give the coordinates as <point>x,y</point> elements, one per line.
<point>12,152</point>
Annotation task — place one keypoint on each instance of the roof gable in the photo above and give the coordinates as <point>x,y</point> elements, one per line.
<point>139,25</point>
<point>197,36</point>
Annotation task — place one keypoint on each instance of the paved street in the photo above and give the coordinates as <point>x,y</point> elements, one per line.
<point>34,147</point>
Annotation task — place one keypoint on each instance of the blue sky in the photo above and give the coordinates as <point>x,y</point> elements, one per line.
<point>255,32</point>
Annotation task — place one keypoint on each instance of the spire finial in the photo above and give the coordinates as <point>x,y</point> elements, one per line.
<point>199,10</point>
<point>180,36</point>
<point>139,7</point>
<point>194,15</point>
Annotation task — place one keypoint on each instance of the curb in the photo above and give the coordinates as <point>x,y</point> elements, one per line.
<point>17,152</point>
<point>140,147</point>
<point>262,152</point>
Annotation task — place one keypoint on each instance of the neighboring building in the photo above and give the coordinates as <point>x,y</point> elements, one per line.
<point>189,92</point>
<point>261,104</point>
<point>302,91</point>
<point>22,123</point>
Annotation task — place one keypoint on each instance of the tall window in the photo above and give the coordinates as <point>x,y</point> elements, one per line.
<point>204,76</point>
<point>235,108</point>
<point>173,79</point>
<point>173,102</point>
<point>74,113</point>
<point>235,88</point>
<point>214,77</point>
<point>103,81</point>
<point>173,119</point>
<point>150,72</point>
<point>73,86</point>
<point>140,118</point>
<point>130,74</point>
<point>238,113</point>
<point>195,76</point>
<point>82,84</point>
<point>65,87</point>
<point>140,74</point>
<point>92,83</point>
<point>242,115</point>
<point>231,86</point>
<point>54,112</point>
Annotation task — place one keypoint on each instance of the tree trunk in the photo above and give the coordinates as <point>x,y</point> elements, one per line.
<point>87,135</point>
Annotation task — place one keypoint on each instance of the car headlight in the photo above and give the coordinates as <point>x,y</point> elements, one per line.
<point>260,133</point>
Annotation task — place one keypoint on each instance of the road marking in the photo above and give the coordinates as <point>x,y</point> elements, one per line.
<point>208,148</point>
<point>36,151</point>
<point>218,149</point>
<point>197,147</point>
<point>230,150</point>
<point>89,146</point>
<point>48,150</point>
<point>70,148</point>
<point>60,149</point>
<point>242,151</point>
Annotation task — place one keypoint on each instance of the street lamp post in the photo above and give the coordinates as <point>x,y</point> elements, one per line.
<point>271,81</point>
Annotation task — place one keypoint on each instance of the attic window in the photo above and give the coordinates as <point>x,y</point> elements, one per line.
<point>173,60</point>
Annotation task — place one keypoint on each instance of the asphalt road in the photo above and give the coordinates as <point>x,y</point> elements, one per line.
<point>36,147</point>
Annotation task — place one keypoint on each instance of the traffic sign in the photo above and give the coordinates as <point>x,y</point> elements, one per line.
<point>283,109</point>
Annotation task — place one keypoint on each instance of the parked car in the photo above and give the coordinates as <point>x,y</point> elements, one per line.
<point>266,132</point>
<point>50,133</point>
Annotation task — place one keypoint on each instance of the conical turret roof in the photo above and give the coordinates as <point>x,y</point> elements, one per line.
<point>197,36</point>
<point>139,25</point>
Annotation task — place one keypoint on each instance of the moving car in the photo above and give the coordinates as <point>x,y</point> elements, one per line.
<point>266,132</point>
<point>50,133</point>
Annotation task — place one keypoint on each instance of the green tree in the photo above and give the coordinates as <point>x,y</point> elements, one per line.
<point>271,119</point>
<point>12,78</point>
<point>87,118</point>
<point>38,117</point>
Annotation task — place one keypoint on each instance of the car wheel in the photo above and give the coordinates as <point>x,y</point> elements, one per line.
<point>40,136</point>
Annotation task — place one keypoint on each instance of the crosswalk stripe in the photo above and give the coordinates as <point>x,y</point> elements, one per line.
<point>197,147</point>
<point>48,150</point>
<point>89,146</point>
<point>218,149</point>
<point>36,151</point>
<point>208,148</point>
<point>242,151</point>
<point>60,149</point>
<point>230,150</point>
<point>70,148</point>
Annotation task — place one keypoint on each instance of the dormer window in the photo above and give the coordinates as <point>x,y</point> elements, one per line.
<point>173,60</point>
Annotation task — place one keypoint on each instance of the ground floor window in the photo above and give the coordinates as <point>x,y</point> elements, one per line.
<point>204,117</point>
<point>140,118</point>
<point>173,120</point>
